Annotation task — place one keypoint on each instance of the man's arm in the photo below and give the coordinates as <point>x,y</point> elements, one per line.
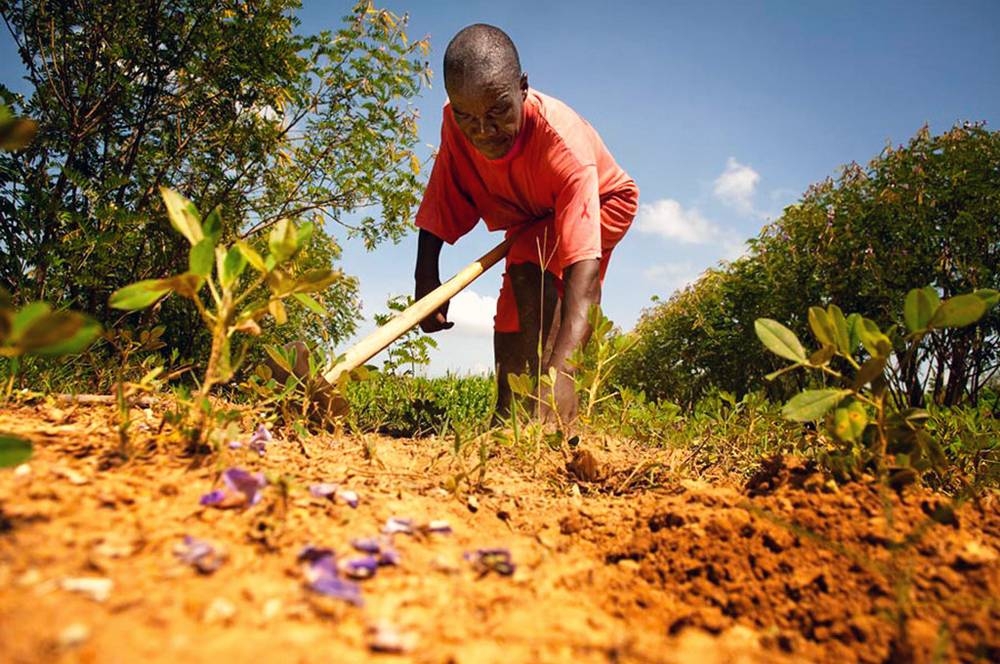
<point>581,290</point>
<point>427,278</point>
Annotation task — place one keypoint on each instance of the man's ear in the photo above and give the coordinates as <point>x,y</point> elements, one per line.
<point>523,84</point>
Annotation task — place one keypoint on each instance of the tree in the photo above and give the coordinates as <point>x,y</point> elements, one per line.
<point>222,100</point>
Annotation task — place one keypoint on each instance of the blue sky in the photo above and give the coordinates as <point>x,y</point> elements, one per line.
<point>723,112</point>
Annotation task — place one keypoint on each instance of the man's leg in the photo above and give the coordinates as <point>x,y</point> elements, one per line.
<point>518,352</point>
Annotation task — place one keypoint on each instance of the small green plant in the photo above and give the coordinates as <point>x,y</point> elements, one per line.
<point>234,303</point>
<point>857,412</point>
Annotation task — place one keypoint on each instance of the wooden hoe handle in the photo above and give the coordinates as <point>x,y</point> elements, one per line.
<point>401,323</point>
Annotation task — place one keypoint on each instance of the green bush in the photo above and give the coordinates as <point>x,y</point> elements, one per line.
<point>927,212</point>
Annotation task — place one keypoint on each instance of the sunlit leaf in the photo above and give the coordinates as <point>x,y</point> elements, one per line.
<point>201,256</point>
<point>313,281</point>
<point>231,266</point>
<point>310,303</point>
<point>989,296</point>
<point>841,330</point>
<point>212,226</point>
<point>812,404</point>
<point>958,311</point>
<point>918,308</point>
<point>872,338</point>
<point>277,309</point>
<point>822,326</point>
<point>183,215</point>
<point>779,339</point>
<point>139,295</point>
<point>252,256</point>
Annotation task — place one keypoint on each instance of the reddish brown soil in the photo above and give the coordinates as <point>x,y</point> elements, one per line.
<point>640,565</point>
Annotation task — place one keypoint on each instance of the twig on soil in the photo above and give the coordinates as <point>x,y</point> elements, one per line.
<point>101,399</point>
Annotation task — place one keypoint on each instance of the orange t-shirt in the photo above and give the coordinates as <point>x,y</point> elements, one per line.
<point>558,170</point>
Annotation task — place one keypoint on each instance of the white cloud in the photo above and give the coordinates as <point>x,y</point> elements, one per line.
<point>736,186</point>
<point>668,218</point>
<point>671,276</point>
<point>472,313</point>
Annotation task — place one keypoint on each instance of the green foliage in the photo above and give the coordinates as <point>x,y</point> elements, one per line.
<point>229,103</point>
<point>855,354</point>
<point>925,212</point>
<point>412,349</point>
<point>409,406</point>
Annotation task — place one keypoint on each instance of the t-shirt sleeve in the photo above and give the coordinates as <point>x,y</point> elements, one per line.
<point>578,211</point>
<point>446,211</point>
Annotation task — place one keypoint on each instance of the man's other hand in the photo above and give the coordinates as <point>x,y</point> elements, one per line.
<point>438,320</point>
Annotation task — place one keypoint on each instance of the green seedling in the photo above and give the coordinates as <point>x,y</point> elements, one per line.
<point>227,297</point>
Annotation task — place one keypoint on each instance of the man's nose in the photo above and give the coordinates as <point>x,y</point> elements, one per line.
<point>484,127</point>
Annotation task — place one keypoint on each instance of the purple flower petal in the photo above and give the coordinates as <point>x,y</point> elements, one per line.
<point>258,441</point>
<point>200,554</point>
<point>397,524</point>
<point>261,435</point>
<point>323,489</point>
<point>247,483</point>
<point>496,560</point>
<point>338,588</point>
<point>213,497</point>
<point>360,568</point>
<point>235,445</point>
<point>349,497</point>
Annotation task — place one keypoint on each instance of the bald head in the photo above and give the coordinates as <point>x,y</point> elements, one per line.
<point>478,54</point>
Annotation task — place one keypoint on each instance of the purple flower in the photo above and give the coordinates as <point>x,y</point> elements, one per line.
<point>397,524</point>
<point>241,487</point>
<point>235,444</point>
<point>245,482</point>
<point>496,560</point>
<point>360,568</point>
<point>320,570</point>
<point>259,439</point>
<point>200,554</point>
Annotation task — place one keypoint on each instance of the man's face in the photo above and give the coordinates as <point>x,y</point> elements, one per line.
<point>489,112</point>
